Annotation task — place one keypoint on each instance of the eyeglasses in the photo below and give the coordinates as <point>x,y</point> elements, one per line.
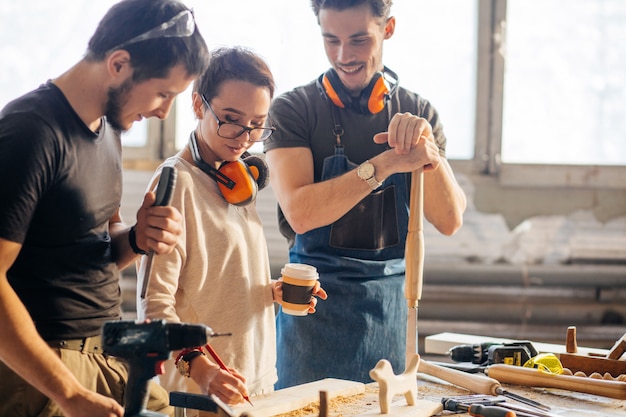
<point>229,130</point>
<point>180,26</point>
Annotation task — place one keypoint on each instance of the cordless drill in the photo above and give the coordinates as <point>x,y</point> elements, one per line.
<point>489,353</point>
<point>145,346</point>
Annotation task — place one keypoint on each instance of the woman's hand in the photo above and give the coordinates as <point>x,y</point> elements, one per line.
<point>318,291</point>
<point>228,387</point>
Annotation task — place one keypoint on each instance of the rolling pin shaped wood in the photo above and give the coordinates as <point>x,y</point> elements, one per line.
<point>414,256</point>
<point>477,383</point>
<point>530,377</point>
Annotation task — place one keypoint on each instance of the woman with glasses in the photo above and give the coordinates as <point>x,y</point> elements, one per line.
<point>219,274</point>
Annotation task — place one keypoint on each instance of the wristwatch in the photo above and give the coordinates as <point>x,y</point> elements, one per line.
<point>184,362</point>
<point>366,172</point>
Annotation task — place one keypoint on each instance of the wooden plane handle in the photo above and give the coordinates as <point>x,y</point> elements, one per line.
<point>618,349</point>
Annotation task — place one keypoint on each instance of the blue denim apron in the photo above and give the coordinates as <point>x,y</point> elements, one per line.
<point>360,259</point>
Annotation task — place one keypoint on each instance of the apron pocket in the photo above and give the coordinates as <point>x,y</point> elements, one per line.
<point>370,225</point>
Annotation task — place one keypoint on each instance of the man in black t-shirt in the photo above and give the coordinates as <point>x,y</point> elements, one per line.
<point>62,239</point>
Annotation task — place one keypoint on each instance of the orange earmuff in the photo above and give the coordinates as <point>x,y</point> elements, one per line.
<point>377,97</point>
<point>238,181</point>
<point>244,187</point>
<point>255,172</point>
<point>331,92</point>
<point>372,98</point>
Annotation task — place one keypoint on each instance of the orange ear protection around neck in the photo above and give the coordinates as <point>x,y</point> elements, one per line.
<point>238,181</point>
<point>372,98</point>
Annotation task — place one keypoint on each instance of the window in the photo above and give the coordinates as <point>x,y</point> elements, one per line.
<point>526,97</point>
<point>565,82</point>
<point>434,52</point>
<point>42,39</point>
<point>551,93</point>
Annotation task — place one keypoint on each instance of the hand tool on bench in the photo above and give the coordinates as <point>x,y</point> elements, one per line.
<point>477,383</point>
<point>477,410</point>
<point>577,362</point>
<point>524,411</point>
<point>163,197</point>
<point>530,377</point>
<point>590,364</point>
<point>500,401</point>
<point>414,257</point>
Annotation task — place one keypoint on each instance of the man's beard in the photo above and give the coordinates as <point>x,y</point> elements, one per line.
<point>116,98</point>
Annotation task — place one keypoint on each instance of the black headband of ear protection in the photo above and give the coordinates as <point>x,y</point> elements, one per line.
<point>238,181</point>
<point>206,168</point>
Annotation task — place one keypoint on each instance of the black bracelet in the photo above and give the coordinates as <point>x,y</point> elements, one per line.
<point>132,239</point>
<point>187,357</point>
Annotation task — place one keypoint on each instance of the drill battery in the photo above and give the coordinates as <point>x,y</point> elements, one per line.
<point>485,354</point>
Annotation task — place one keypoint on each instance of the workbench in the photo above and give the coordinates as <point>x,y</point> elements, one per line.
<point>565,403</point>
<point>356,399</point>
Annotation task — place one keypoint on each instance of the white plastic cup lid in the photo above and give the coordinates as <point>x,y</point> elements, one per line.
<point>300,271</point>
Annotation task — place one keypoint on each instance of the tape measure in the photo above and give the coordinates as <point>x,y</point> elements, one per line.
<point>545,362</point>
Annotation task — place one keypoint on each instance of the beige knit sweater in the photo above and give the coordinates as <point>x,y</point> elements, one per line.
<point>218,275</point>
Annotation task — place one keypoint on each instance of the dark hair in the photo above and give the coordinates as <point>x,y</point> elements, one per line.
<point>380,8</point>
<point>233,63</point>
<point>152,58</point>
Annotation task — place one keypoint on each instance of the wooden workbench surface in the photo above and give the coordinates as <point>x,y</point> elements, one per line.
<point>563,403</point>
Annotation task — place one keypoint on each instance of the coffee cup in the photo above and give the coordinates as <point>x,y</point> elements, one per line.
<point>298,283</point>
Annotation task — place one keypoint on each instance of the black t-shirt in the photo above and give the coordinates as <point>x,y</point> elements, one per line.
<point>60,183</point>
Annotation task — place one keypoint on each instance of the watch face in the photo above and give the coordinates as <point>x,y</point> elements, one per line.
<point>366,170</point>
<point>183,367</point>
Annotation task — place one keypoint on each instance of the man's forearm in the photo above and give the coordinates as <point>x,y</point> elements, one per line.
<point>320,204</point>
<point>23,350</point>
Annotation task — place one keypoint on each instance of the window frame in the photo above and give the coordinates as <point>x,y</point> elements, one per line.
<point>489,115</point>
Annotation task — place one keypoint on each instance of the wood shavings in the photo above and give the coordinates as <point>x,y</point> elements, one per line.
<point>333,404</point>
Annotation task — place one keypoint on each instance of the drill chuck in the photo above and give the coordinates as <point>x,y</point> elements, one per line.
<point>182,335</point>
<point>476,353</point>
